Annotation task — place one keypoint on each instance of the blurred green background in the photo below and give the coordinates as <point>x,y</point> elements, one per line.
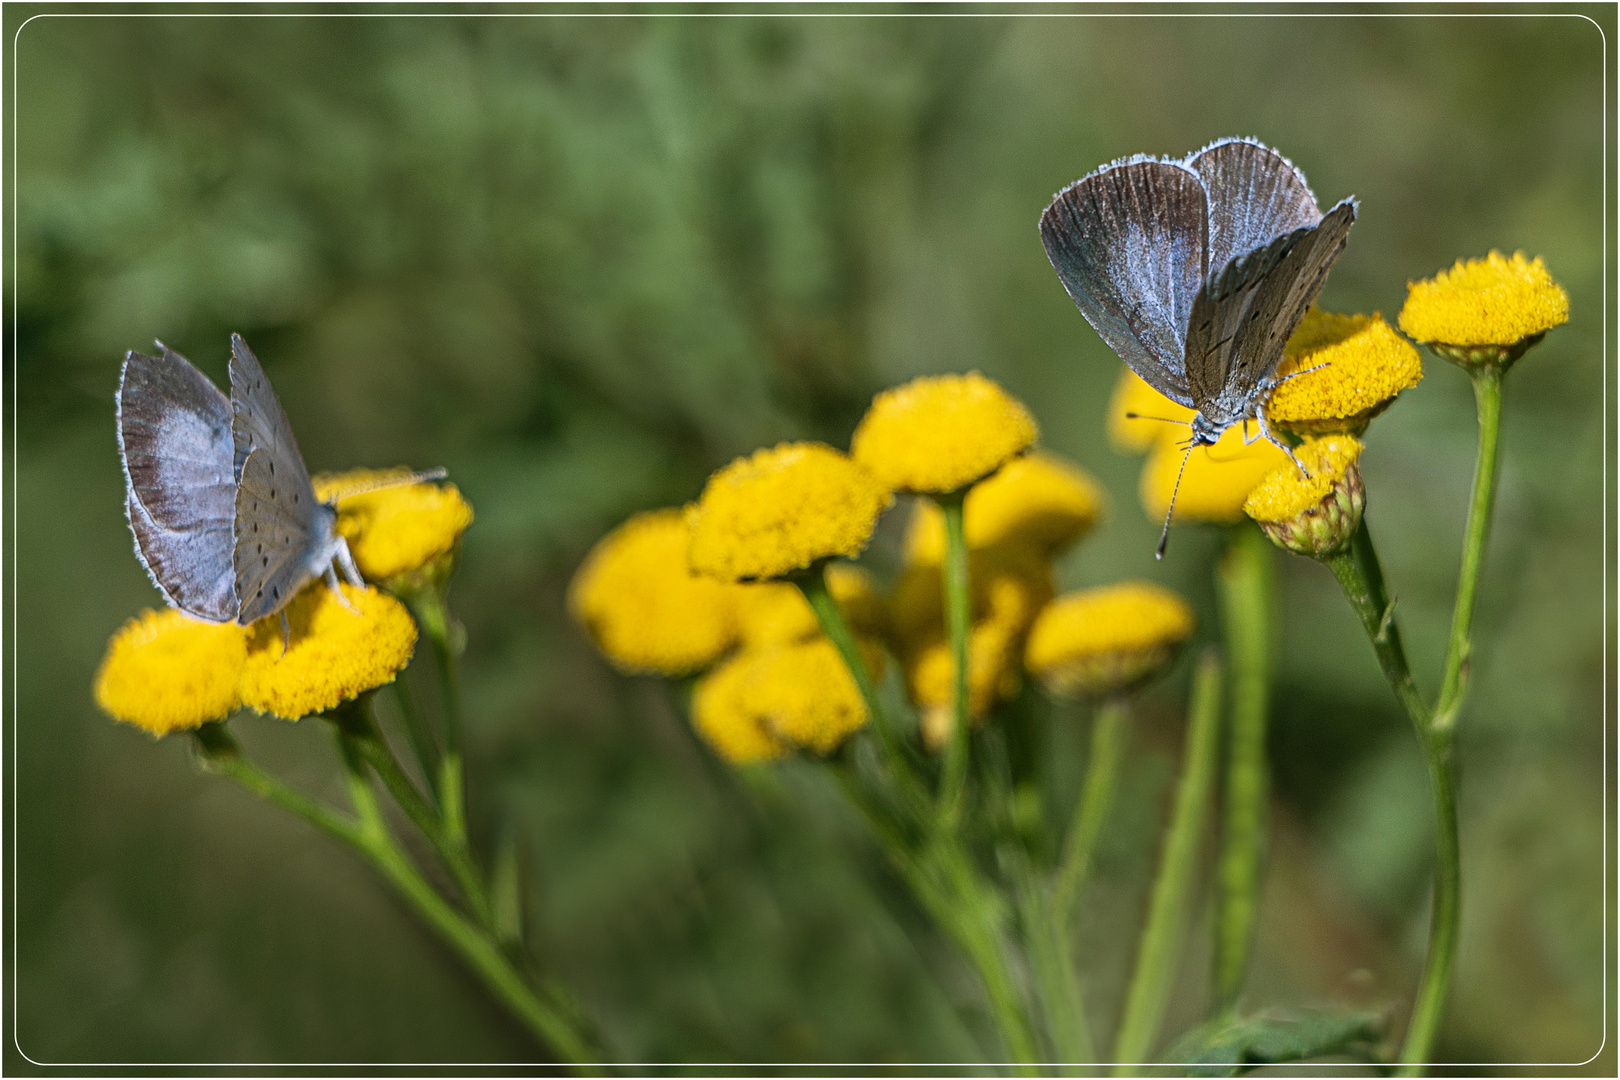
<point>582,262</point>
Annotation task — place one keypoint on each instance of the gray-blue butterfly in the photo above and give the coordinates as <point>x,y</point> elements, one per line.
<point>1197,271</point>
<point>225,518</point>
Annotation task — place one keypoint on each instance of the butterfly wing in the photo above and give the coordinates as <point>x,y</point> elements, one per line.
<point>1243,319</point>
<point>259,422</point>
<point>1255,196</point>
<point>276,530</point>
<point>1128,244</point>
<point>174,438</point>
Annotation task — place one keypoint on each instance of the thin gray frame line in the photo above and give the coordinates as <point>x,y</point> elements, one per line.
<point>6,777</point>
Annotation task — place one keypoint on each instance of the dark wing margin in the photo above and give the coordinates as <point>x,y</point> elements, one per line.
<point>174,440</point>
<point>1255,196</point>
<point>1242,322</point>
<point>1128,244</point>
<point>272,537</point>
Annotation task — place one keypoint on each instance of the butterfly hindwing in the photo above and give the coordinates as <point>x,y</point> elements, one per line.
<point>276,534</point>
<point>1128,244</point>
<point>1255,196</point>
<point>174,437</point>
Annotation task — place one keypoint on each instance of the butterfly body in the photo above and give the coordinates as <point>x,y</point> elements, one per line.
<point>225,517</point>
<point>1197,271</point>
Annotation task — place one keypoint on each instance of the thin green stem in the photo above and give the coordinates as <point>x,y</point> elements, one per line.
<point>1244,585</point>
<point>434,618</point>
<point>1046,941</point>
<point>1362,579</point>
<point>1170,903</point>
<point>1110,738</point>
<point>813,584</point>
<point>220,753</point>
<point>416,729</point>
<point>476,947</point>
<point>1459,650</point>
<point>958,624</point>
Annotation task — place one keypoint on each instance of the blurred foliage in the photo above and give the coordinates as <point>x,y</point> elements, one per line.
<point>583,261</point>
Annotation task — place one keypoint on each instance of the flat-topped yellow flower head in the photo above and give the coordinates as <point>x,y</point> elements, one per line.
<point>724,716</point>
<point>1316,514</point>
<point>1038,501</point>
<point>1137,416</point>
<point>937,434</point>
<point>1485,311</point>
<point>1218,477</point>
<point>782,510</point>
<point>165,671</point>
<point>776,613</point>
<point>1107,640</point>
<point>395,532</point>
<point>1361,365</point>
<point>334,653</point>
<point>644,608</point>
<point>805,695</point>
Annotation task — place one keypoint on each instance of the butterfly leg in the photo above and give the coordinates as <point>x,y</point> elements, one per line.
<point>1278,382</point>
<point>332,583</point>
<point>1265,429</point>
<point>286,632</point>
<point>345,559</point>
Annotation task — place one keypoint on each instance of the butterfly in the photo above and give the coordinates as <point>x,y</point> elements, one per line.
<point>1196,272</point>
<point>225,518</point>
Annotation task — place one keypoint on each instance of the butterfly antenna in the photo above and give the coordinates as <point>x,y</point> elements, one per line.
<point>1164,537</point>
<point>382,483</point>
<point>1161,419</point>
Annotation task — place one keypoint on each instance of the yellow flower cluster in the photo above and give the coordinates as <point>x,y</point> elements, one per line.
<point>1038,502</point>
<point>1491,301</point>
<point>938,434</point>
<point>1284,492</point>
<point>1107,640</point>
<point>775,613</point>
<point>164,671</point>
<point>395,531</point>
<point>782,510</point>
<point>1360,366</point>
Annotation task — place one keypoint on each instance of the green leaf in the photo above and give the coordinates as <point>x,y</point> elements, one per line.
<point>1233,1047</point>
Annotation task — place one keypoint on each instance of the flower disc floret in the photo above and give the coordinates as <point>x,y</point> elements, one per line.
<point>1138,415</point>
<point>1106,640</point>
<point>644,608</point>
<point>1284,492</point>
<point>333,653</point>
<point>940,433</point>
<point>1217,480</point>
<point>1490,301</point>
<point>165,671</point>
<point>781,510</point>
<point>398,530</point>
<point>725,718</point>
<point>1361,365</point>
<point>1038,501</point>
<point>805,695</point>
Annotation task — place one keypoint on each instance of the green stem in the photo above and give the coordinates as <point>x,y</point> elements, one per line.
<point>1110,737</point>
<point>476,947</point>
<point>1046,940</point>
<point>1362,580</point>
<point>814,586</point>
<point>360,724</point>
<point>1244,584</point>
<point>1169,905</point>
<point>220,753</point>
<point>958,623</point>
<point>416,729</point>
<point>1459,650</point>
<point>434,618</point>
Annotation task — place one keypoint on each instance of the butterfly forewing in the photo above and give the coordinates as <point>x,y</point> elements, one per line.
<point>174,435</point>
<point>276,530</point>
<point>260,422</point>
<point>1128,244</point>
<point>1255,196</point>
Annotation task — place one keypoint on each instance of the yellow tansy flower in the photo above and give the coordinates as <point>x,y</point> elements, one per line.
<point>1493,301</point>
<point>1106,640</point>
<point>334,654</point>
<point>1038,501</point>
<point>805,695</point>
<point>938,434</point>
<point>644,608</point>
<point>1135,434</point>
<point>724,717</point>
<point>775,613</point>
<point>1362,365</point>
<point>165,671</point>
<point>1217,480</point>
<point>993,676</point>
<point>781,510</point>
<point>1317,514</point>
<point>396,530</point>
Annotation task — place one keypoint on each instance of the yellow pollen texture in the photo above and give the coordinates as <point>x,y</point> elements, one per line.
<point>940,433</point>
<point>334,654</point>
<point>644,608</point>
<point>780,510</point>
<point>1489,301</point>
<point>1134,616</point>
<point>805,695</point>
<point>1284,492</point>
<point>1361,363</point>
<point>165,671</point>
<point>1038,501</point>
<point>396,530</point>
<point>725,718</point>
